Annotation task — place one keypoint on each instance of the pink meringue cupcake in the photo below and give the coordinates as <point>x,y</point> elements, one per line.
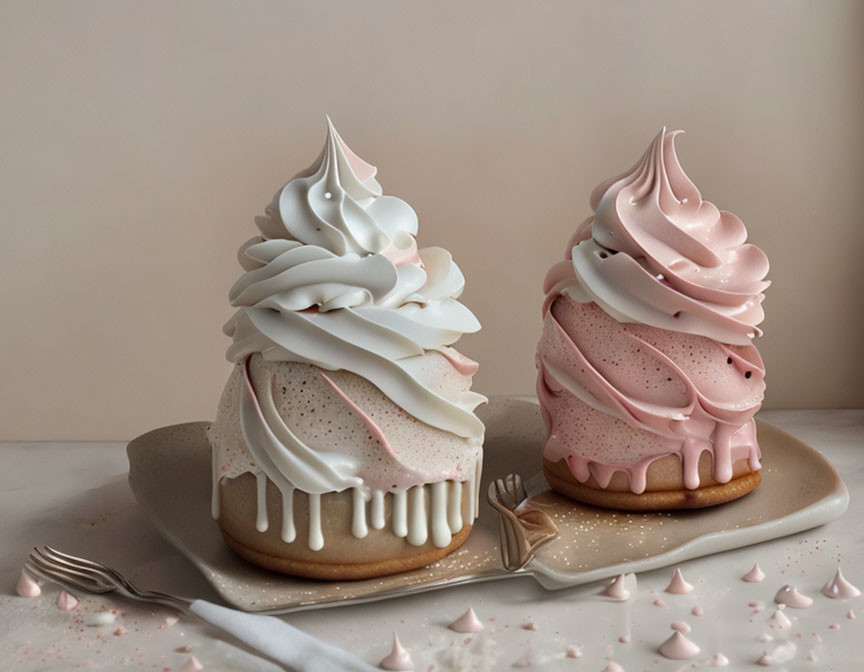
<point>648,378</point>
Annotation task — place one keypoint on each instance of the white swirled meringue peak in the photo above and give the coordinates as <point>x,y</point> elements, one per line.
<point>345,377</point>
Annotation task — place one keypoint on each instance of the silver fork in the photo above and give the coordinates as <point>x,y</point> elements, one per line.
<point>94,577</point>
<point>271,636</point>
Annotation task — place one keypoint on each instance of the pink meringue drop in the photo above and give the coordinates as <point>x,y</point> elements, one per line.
<point>573,652</point>
<point>66,601</point>
<point>399,658</point>
<point>612,666</point>
<point>765,660</point>
<point>719,660</point>
<point>850,615</point>
<point>678,586</point>
<point>659,603</point>
<point>186,648</point>
<point>678,647</point>
<point>811,656</point>
<point>680,626</point>
<point>790,596</point>
<point>779,620</point>
<point>697,611</point>
<point>624,639</point>
<point>531,625</point>
<point>27,585</point>
<point>764,637</point>
<point>839,588</point>
<point>755,575</point>
<point>192,665</point>
<point>616,589</point>
<point>467,622</point>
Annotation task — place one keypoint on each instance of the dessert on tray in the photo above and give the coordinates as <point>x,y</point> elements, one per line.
<point>345,444</point>
<point>648,378</point>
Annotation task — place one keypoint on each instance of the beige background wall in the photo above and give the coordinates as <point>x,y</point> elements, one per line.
<point>138,140</point>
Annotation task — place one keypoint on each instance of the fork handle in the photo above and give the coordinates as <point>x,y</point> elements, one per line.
<point>278,640</point>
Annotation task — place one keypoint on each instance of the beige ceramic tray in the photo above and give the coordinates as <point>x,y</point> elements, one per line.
<point>170,477</point>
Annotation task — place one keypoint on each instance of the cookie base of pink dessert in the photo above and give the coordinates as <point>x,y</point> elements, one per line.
<point>560,478</point>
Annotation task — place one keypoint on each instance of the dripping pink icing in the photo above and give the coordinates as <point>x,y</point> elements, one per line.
<point>27,585</point>
<point>678,647</point>
<point>790,596</point>
<point>602,417</point>
<point>678,586</point>
<point>467,622</point>
<point>66,601</point>
<point>616,589</point>
<point>655,240</point>
<point>399,658</point>
<point>839,588</point>
<point>755,575</point>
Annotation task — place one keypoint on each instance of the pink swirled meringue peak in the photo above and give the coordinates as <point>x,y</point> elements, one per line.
<point>648,378</point>
<point>347,399</point>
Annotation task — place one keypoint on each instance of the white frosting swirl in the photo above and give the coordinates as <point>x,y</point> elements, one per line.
<point>335,279</point>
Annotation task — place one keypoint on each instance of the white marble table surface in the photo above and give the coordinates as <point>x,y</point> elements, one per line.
<point>74,496</point>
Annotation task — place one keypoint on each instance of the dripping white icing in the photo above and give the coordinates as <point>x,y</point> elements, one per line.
<point>478,475</point>
<point>416,515</point>
<point>417,525</point>
<point>441,536</point>
<point>261,523</point>
<point>472,500</point>
<point>377,512</point>
<point>454,508</point>
<point>316,537</point>
<point>400,513</point>
<point>289,532</point>
<point>358,523</point>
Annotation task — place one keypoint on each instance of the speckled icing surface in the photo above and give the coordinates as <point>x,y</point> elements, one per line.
<point>410,452</point>
<point>646,348</point>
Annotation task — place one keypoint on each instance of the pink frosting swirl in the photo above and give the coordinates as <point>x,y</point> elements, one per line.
<point>655,253</point>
